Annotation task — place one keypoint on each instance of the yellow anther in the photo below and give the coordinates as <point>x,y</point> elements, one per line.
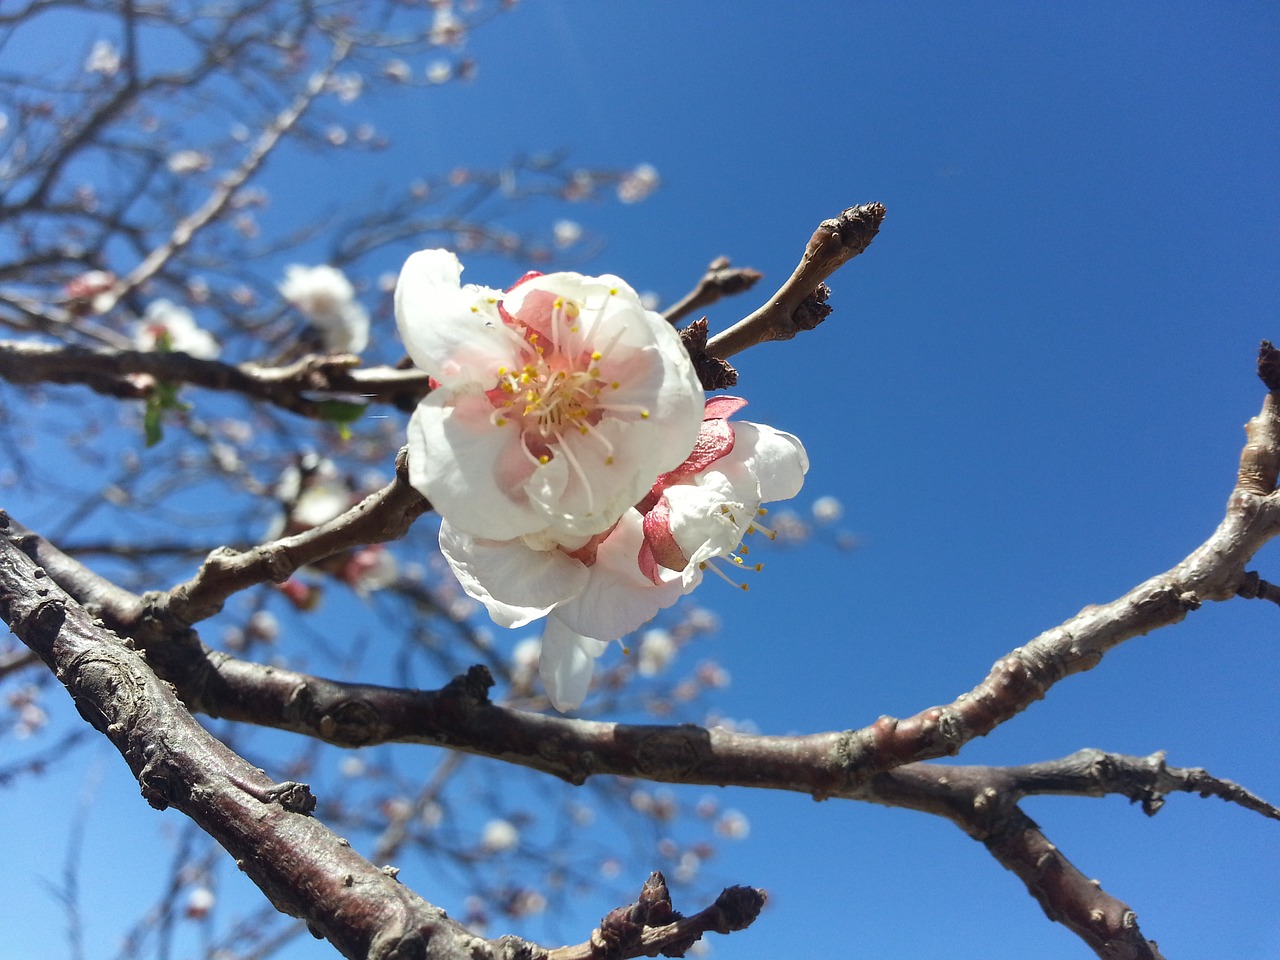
<point>544,459</point>
<point>613,291</point>
<point>596,354</point>
<point>644,414</point>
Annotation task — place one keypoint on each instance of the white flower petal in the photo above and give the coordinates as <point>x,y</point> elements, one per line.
<point>468,469</point>
<point>567,662</point>
<point>452,332</point>
<point>618,598</point>
<point>516,584</point>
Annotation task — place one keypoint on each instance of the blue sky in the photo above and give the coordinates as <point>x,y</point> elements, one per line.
<point>1029,398</point>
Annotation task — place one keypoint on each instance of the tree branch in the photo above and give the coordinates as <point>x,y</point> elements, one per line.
<point>720,280</point>
<point>800,303</point>
<point>304,869</point>
<point>304,387</point>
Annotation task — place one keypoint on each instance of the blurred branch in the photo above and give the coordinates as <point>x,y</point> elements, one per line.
<point>720,280</point>
<point>383,515</point>
<point>305,387</point>
<point>218,201</point>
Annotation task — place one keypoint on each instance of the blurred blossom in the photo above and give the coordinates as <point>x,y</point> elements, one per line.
<point>397,809</point>
<point>189,161</point>
<point>320,502</point>
<point>707,807</point>
<point>432,815</point>
<point>31,716</point>
<point>86,198</point>
<point>789,527</point>
<point>446,28</point>
<point>687,869</point>
<point>827,509</point>
<point>199,902</point>
<point>638,184</point>
<point>650,300</point>
<point>711,674</point>
<point>346,86</point>
<point>567,233</point>
<point>88,292</point>
<point>239,133</point>
<point>641,801</point>
<point>439,71</point>
<point>525,656</point>
<point>525,902</point>
<point>499,835</point>
<point>581,814</point>
<point>610,868</point>
<point>4,121</point>
<point>387,281</point>
<point>327,299</point>
<point>467,69</point>
<point>733,825</point>
<point>167,322</point>
<point>580,185</point>
<point>103,58</point>
<point>243,296</point>
<point>198,289</point>
<point>352,767</point>
<point>246,226</point>
<point>366,132</point>
<point>336,135</point>
<point>657,649</point>
<point>225,457</point>
<point>397,70</point>
<point>263,626</point>
<point>419,190</point>
<point>702,620</point>
<point>369,569</point>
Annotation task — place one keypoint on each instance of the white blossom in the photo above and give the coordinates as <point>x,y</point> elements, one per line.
<point>556,406</point>
<point>103,58</point>
<point>327,299</point>
<point>499,835</point>
<point>174,324</point>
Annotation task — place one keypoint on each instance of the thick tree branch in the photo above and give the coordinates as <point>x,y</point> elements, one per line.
<point>304,869</point>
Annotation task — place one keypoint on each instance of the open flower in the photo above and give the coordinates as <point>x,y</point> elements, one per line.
<point>599,588</point>
<point>328,301</point>
<point>172,326</point>
<point>555,405</point>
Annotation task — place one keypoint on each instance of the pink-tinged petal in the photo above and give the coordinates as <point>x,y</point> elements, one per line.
<point>708,518</point>
<point>618,596</point>
<point>715,440</point>
<point>722,407</point>
<point>660,541</point>
<point>465,466</point>
<point>566,663</point>
<point>452,332</point>
<point>516,584</point>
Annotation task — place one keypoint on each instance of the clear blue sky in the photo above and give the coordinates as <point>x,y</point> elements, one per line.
<point>1029,398</point>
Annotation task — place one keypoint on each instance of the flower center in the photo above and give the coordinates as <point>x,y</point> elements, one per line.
<point>559,388</point>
